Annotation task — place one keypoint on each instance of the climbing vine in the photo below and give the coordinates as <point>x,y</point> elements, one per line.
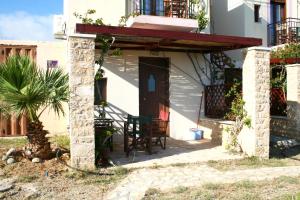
<point>239,115</point>
<point>104,41</point>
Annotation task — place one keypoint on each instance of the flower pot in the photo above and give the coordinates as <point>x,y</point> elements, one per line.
<point>100,91</point>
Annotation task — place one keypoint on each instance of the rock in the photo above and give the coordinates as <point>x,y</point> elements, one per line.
<point>4,157</point>
<point>28,153</point>
<point>36,160</point>
<point>10,161</point>
<point>6,185</point>
<point>31,191</point>
<point>66,156</point>
<point>10,151</point>
<point>2,172</point>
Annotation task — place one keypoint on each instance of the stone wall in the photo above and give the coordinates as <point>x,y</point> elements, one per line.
<point>293,99</point>
<point>256,78</point>
<point>81,61</point>
<point>281,126</point>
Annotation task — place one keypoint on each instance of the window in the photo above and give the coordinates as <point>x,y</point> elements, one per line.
<point>152,7</point>
<point>278,11</point>
<point>257,13</point>
<point>151,83</point>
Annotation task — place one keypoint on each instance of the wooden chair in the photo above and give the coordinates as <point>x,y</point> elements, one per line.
<point>160,128</point>
<point>179,8</point>
<point>138,134</point>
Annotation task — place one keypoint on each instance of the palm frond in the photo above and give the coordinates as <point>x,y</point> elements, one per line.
<point>24,89</point>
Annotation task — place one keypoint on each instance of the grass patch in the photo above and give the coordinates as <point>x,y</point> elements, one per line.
<point>7,143</point>
<point>62,141</point>
<point>252,162</point>
<point>120,171</point>
<point>180,189</point>
<point>152,192</point>
<point>245,190</point>
<point>27,179</point>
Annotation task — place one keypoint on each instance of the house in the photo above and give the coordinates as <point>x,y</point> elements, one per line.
<point>275,21</point>
<point>164,65</point>
<point>46,55</point>
<point>181,87</point>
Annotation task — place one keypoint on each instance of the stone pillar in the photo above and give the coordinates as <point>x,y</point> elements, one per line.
<point>293,100</point>
<point>81,62</point>
<point>256,94</point>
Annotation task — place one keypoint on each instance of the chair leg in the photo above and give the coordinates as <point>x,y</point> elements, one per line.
<point>125,142</point>
<point>150,146</point>
<point>127,153</point>
<point>165,141</point>
<point>111,144</point>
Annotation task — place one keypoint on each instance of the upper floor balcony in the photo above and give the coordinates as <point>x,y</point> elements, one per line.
<point>176,15</point>
<point>283,32</point>
<point>167,8</point>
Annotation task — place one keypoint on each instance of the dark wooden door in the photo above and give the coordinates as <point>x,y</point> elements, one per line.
<point>153,86</point>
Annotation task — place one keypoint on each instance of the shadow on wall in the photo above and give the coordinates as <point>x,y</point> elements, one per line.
<point>186,92</point>
<point>236,18</point>
<point>185,88</point>
<point>117,115</point>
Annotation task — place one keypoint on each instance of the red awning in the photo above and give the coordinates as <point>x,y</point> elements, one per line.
<point>162,40</point>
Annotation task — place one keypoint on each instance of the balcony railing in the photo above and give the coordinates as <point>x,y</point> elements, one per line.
<point>285,31</point>
<point>167,8</point>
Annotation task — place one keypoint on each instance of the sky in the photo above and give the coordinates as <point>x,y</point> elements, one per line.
<point>28,19</point>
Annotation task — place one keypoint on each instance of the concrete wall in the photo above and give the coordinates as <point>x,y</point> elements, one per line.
<point>215,130</point>
<point>49,51</point>
<point>123,90</point>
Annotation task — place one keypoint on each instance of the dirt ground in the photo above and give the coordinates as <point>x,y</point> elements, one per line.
<point>282,188</point>
<point>53,179</point>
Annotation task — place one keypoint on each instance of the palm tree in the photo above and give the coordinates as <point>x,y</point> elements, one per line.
<point>27,90</point>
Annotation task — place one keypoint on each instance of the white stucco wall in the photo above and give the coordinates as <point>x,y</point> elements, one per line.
<point>236,17</point>
<point>293,9</point>
<point>228,17</point>
<point>123,90</point>
<point>110,10</point>
<point>54,50</point>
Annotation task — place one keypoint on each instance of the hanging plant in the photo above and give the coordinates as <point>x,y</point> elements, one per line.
<point>202,20</point>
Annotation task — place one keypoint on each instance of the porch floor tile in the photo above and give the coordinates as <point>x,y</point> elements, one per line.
<point>177,152</point>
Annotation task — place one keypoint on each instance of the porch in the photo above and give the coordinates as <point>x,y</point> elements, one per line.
<point>177,152</point>
<point>185,88</point>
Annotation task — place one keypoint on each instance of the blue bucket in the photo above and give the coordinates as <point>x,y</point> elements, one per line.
<point>198,134</point>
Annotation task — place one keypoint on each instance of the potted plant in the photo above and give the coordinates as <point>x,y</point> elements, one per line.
<point>104,144</point>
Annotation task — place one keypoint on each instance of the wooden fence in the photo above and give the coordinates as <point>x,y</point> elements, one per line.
<point>216,104</point>
<point>278,102</point>
<point>12,126</point>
